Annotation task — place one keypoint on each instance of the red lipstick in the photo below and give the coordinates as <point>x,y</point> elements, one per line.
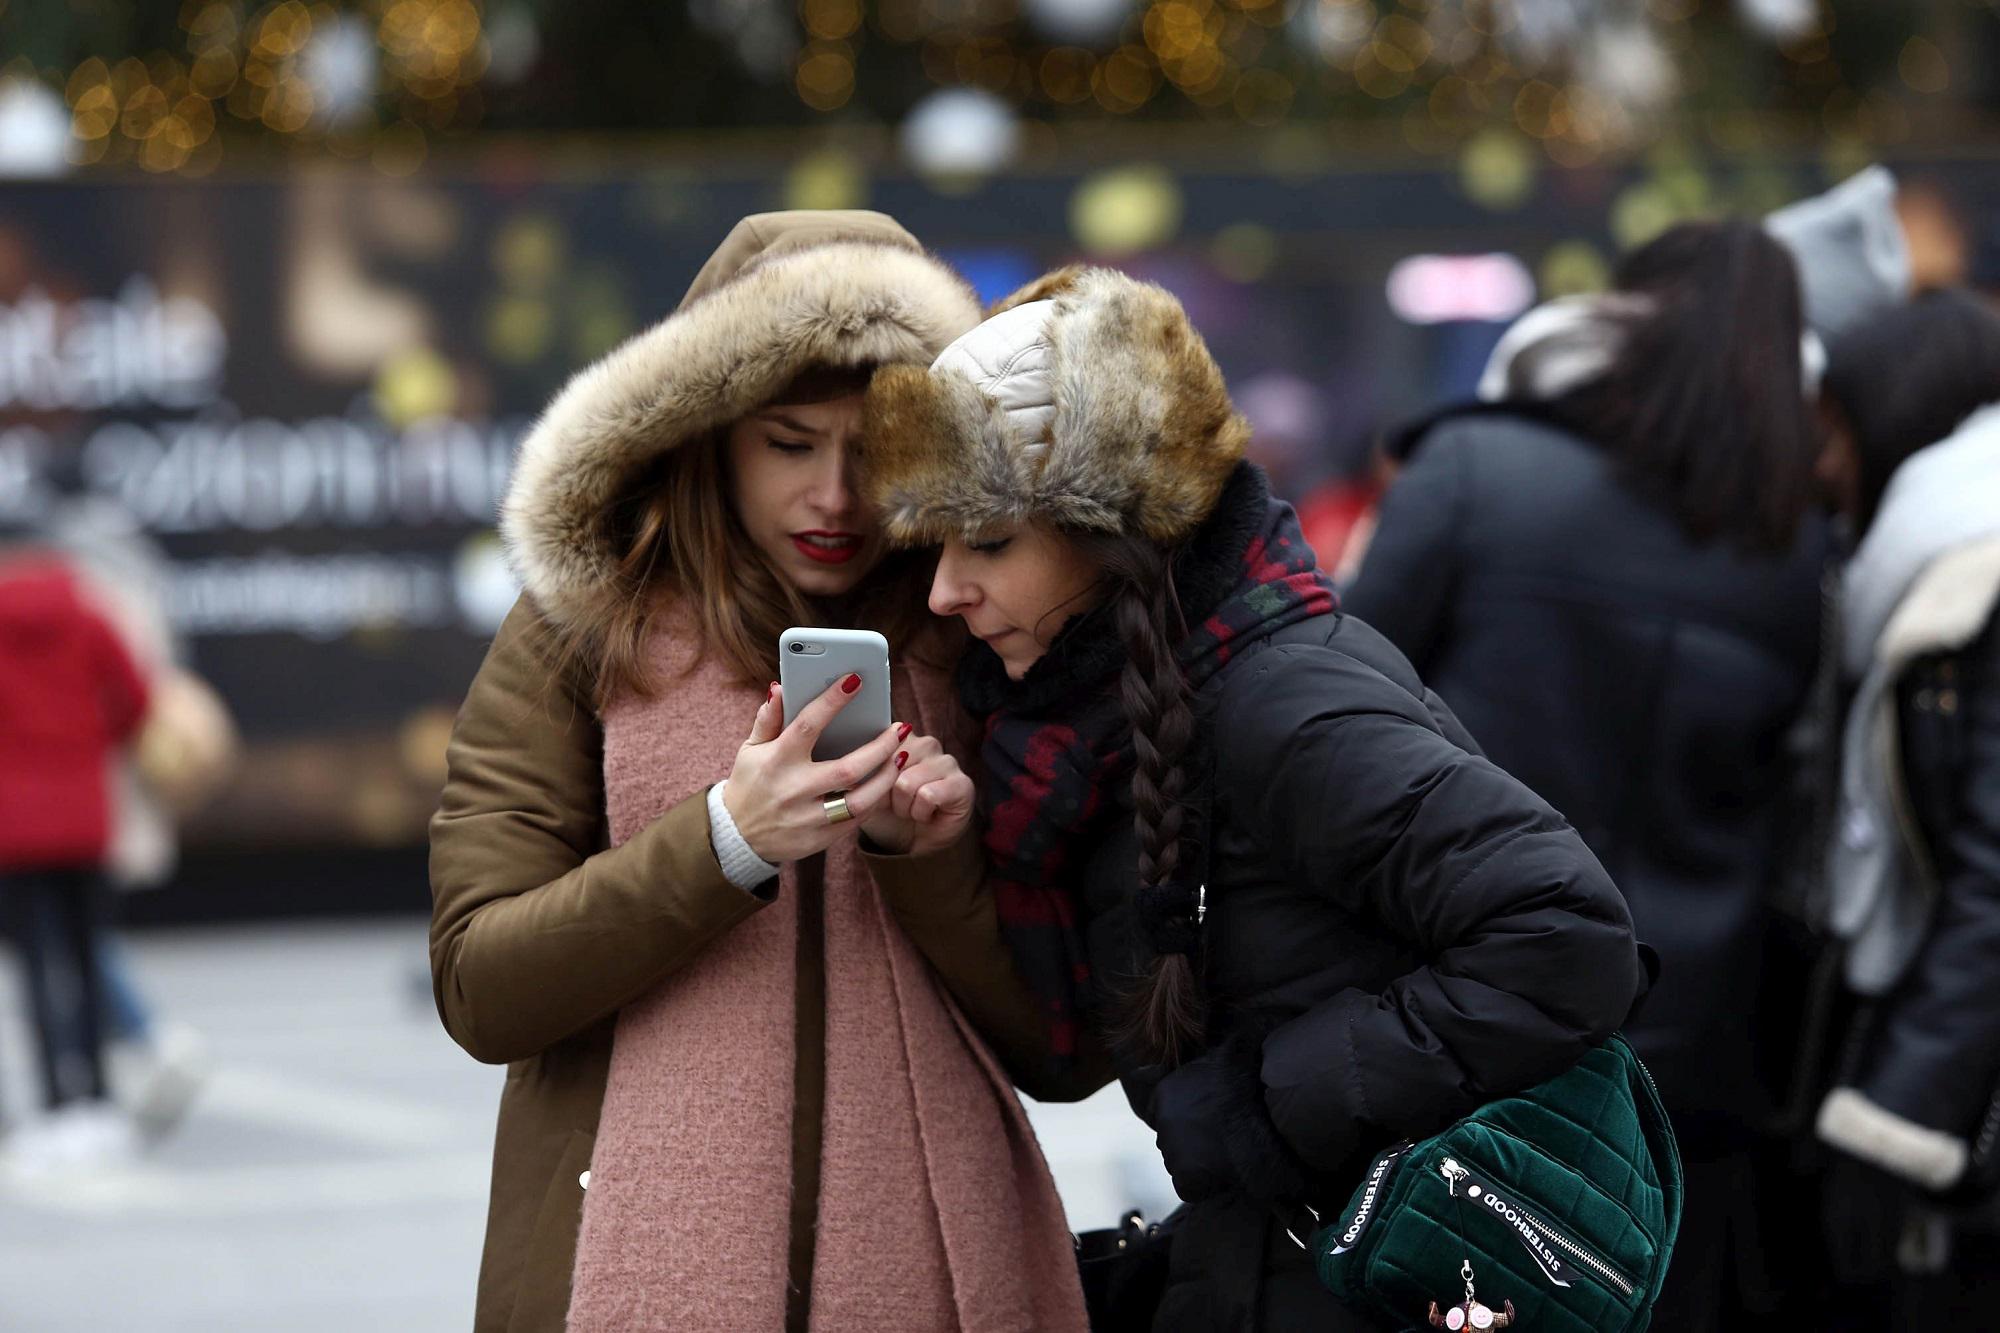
<point>828,548</point>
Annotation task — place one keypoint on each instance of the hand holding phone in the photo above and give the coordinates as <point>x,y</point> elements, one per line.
<point>777,791</point>
<point>812,661</point>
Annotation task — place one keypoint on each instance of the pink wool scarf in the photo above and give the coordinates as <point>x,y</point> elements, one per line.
<point>936,1209</point>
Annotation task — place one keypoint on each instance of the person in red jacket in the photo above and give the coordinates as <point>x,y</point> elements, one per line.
<point>70,696</point>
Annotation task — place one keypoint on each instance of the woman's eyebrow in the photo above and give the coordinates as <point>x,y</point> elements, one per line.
<point>789,423</point>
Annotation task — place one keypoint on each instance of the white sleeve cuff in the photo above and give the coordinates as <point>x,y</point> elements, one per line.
<point>740,866</point>
<point>1859,1127</point>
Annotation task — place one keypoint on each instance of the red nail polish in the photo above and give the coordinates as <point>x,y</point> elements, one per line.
<point>771,693</point>
<point>903,732</point>
<point>902,757</point>
<point>851,684</point>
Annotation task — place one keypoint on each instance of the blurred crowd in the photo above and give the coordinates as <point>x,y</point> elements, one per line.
<point>1712,563</point>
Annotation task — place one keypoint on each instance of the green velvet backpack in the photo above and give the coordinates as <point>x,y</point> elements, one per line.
<point>1554,1210</point>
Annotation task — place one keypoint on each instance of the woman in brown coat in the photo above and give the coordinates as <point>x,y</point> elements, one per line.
<point>737,1098</point>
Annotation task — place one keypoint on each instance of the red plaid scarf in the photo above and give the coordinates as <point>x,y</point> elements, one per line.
<point>1058,739</point>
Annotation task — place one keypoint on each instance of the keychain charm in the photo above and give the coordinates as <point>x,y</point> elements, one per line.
<point>1469,1313</point>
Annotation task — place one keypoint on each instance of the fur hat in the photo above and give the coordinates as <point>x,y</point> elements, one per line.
<point>1085,400</point>
<point>785,292</point>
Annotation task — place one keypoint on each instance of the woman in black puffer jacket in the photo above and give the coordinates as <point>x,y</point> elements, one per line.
<point>1232,837</point>
<point>1613,573</point>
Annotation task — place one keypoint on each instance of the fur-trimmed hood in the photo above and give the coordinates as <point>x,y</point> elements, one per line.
<point>1086,400</point>
<point>786,291</point>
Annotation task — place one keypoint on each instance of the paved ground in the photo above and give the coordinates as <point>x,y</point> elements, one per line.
<point>332,1177</point>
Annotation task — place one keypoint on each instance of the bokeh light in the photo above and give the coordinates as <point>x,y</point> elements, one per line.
<point>1245,251</point>
<point>1126,209</point>
<point>414,384</point>
<point>1497,170</point>
<point>832,178</point>
<point>1573,268</point>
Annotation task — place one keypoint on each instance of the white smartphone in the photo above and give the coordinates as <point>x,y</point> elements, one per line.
<point>811,660</point>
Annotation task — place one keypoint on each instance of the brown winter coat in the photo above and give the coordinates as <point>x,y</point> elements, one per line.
<point>541,932</point>
<point>520,840</point>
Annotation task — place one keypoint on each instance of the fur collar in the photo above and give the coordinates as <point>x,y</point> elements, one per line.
<point>1947,606</point>
<point>875,298</point>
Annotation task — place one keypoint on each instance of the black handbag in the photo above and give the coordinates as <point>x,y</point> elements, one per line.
<point>1124,1273</point>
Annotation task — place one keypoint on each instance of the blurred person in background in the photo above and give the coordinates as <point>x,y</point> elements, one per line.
<point>179,759</point>
<point>72,696</point>
<point>1856,253</point>
<point>737,1097</point>
<point>1248,864</point>
<point>1914,862</point>
<point>1612,575</point>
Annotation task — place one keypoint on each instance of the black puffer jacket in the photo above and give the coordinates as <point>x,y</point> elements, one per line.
<point>1398,931</point>
<point>1641,683</point>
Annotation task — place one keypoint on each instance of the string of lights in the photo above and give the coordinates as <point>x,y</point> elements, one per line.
<point>1570,81</point>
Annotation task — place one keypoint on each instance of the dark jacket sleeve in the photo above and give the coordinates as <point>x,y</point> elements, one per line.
<point>1530,961</point>
<point>944,905</point>
<point>1937,1060</point>
<point>1405,585</point>
<point>537,930</point>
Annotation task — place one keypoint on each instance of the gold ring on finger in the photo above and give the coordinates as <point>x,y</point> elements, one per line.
<point>836,810</point>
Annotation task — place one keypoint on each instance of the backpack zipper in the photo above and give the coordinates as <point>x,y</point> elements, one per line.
<point>1531,1230</point>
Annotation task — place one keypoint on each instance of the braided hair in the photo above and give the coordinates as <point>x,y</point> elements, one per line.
<point>1162,1015</point>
